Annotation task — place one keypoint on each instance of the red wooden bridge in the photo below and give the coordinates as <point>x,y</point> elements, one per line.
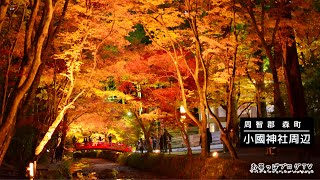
<point>103,146</point>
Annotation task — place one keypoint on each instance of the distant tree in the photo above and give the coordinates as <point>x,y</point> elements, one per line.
<point>279,43</point>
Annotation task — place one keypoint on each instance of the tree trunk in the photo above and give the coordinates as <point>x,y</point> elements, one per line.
<point>297,104</point>
<point>227,142</point>
<point>278,101</point>
<point>45,55</point>
<point>4,4</point>
<point>260,101</point>
<point>186,141</point>
<point>8,133</point>
<point>203,130</point>
<point>29,101</point>
<point>54,125</point>
<point>10,120</point>
<point>185,137</point>
<point>280,111</point>
<point>183,131</point>
<point>293,80</point>
<point>148,143</point>
<point>64,128</point>
<point>231,108</point>
<point>146,133</point>
<point>289,54</point>
<point>260,86</point>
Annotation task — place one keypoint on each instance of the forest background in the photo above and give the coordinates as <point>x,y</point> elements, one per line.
<point>122,67</point>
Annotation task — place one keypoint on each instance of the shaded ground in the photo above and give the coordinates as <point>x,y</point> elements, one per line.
<point>10,172</point>
<point>284,155</point>
<point>254,155</point>
<point>104,169</point>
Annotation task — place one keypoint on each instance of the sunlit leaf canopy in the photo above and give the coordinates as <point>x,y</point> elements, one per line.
<point>164,23</point>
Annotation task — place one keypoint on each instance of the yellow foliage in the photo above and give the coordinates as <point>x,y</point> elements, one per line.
<point>116,93</point>
<point>43,94</point>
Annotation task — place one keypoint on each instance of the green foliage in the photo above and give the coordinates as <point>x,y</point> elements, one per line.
<point>64,169</point>
<point>109,51</point>
<point>109,84</point>
<point>110,155</point>
<point>61,170</point>
<point>316,4</point>
<point>266,65</point>
<point>22,146</point>
<point>91,154</point>
<point>203,14</point>
<point>112,49</point>
<point>43,94</point>
<point>138,36</point>
<point>123,158</point>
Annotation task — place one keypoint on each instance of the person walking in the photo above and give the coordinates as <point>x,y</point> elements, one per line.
<point>140,145</point>
<point>209,140</point>
<point>74,140</point>
<point>59,153</point>
<point>110,138</point>
<point>59,149</point>
<point>163,143</point>
<point>154,143</point>
<point>169,144</point>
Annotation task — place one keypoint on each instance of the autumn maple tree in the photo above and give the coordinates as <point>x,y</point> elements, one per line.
<point>82,45</point>
<point>29,68</point>
<point>88,20</point>
<point>171,24</point>
<point>272,22</point>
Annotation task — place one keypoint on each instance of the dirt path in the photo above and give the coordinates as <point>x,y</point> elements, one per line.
<point>103,169</point>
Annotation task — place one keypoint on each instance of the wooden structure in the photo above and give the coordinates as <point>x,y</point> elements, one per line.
<point>103,146</point>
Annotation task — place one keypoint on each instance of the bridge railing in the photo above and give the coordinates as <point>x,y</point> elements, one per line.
<point>103,146</point>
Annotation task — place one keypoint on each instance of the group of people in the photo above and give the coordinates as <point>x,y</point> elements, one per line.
<point>89,139</point>
<point>164,143</point>
<point>142,144</point>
